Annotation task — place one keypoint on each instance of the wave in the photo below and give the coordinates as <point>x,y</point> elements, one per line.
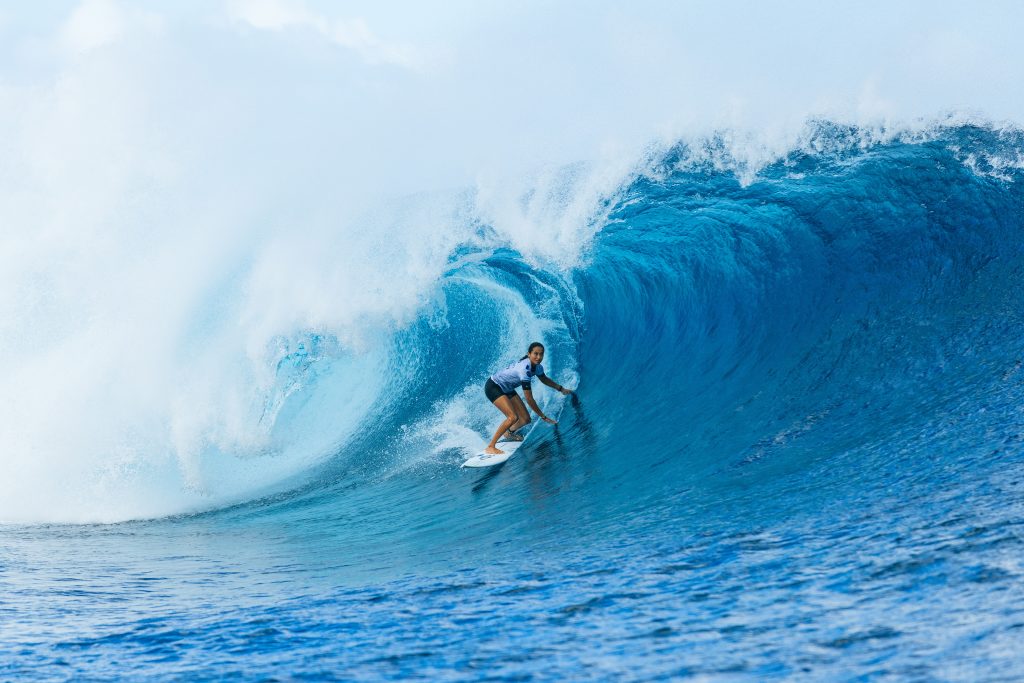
<point>725,321</point>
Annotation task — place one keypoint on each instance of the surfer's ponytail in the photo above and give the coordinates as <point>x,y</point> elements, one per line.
<point>530,350</point>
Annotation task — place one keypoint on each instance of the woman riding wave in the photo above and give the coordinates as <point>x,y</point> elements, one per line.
<point>500,389</point>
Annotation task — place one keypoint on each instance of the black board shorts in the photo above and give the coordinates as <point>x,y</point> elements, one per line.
<point>494,392</point>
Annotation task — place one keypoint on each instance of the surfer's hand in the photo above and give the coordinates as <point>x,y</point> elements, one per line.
<point>565,391</point>
<point>549,420</point>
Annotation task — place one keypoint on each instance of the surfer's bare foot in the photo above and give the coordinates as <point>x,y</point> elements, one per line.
<point>493,451</point>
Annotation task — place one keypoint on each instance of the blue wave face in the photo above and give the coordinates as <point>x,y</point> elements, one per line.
<point>736,330</point>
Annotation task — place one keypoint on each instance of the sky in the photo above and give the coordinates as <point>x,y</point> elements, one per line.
<point>481,85</point>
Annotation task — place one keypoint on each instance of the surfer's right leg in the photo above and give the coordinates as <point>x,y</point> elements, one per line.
<point>503,404</point>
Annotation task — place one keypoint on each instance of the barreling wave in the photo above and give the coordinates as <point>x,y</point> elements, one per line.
<point>732,328</point>
<point>727,324</point>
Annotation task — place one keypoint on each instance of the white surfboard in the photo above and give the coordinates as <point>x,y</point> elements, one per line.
<point>482,459</point>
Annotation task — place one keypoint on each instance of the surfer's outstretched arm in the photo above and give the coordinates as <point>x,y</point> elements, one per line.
<point>554,385</point>
<point>536,408</point>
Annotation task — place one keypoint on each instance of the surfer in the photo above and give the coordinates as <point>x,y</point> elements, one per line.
<point>500,389</point>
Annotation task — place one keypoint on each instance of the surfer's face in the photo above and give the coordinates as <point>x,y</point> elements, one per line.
<point>537,355</point>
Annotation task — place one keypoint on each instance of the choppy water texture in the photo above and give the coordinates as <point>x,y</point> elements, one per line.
<point>796,451</point>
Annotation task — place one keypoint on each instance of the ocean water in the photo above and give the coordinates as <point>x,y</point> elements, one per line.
<point>795,448</point>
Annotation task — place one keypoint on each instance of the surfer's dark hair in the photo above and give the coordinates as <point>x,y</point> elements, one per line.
<point>530,350</point>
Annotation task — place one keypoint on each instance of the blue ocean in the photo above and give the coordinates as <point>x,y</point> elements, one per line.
<point>794,450</point>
